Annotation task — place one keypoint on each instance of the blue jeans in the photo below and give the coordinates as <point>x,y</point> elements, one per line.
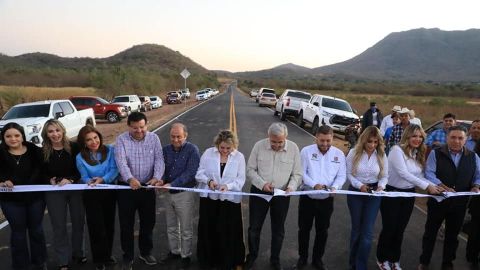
<point>25,218</point>
<point>363,212</point>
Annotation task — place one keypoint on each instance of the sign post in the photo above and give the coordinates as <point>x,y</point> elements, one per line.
<point>185,74</point>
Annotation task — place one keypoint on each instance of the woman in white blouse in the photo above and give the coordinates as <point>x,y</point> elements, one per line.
<point>220,229</point>
<point>406,164</point>
<point>367,169</point>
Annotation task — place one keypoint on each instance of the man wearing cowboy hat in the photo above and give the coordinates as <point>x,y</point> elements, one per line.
<point>397,130</point>
<point>387,120</point>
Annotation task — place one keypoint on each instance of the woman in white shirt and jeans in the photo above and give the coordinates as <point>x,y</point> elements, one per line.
<point>367,171</point>
<point>220,230</point>
<point>406,164</point>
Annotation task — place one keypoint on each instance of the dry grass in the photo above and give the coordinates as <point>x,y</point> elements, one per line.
<point>429,109</point>
<point>11,95</point>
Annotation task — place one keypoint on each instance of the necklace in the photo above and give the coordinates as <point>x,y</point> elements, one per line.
<point>17,160</point>
<point>58,152</point>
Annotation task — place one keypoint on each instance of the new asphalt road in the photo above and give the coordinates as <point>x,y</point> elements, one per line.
<point>251,123</point>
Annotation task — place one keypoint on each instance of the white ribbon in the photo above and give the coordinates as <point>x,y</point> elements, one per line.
<point>277,192</point>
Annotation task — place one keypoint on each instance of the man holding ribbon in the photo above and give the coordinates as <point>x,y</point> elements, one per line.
<point>274,163</point>
<point>181,164</point>
<point>456,169</point>
<point>324,168</point>
<point>138,154</point>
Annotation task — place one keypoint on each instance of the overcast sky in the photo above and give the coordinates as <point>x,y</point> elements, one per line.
<point>223,34</point>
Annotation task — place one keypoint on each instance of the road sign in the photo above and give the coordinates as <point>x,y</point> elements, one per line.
<point>185,73</point>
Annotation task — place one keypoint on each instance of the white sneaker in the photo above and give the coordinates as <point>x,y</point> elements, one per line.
<point>396,266</point>
<point>384,265</point>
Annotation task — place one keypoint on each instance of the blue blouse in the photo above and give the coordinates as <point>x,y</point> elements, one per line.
<point>107,169</point>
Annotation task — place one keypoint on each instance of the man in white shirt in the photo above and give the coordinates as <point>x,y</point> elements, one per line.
<point>387,120</point>
<point>323,168</point>
<point>273,163</point>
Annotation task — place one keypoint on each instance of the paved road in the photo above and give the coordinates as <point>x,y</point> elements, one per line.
<point>204,122</point>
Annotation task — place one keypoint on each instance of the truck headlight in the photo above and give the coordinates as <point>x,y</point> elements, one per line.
<point>33,129</point>
<point>326,114</point>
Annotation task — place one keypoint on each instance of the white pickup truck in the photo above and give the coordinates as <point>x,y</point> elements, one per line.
<point>32,116</point>
<point>290,102</point>
<point>326,110</point>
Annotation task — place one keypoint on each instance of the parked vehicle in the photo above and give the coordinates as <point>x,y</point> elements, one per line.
<point>132,102</point>
<point>289,103</point>
<point>201,95</point>
<point>32,116</point>
<point>267,99</point>
<point>326,110</point>
<point>101,108</point>
<point>210,92</point>
<point>146,104</point>
<point>253,93</point>
<point>174,97</point>
<point>186,93</point>
<point>264,90</point>
<point>156,102</point>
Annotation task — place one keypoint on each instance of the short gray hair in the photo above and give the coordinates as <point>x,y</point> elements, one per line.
<point>180,124</point>
<point>278,129</point>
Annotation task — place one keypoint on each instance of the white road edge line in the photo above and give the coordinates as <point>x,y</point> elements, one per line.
<point>3,225</point>
<point>176,117</point>
<point>416,206</point>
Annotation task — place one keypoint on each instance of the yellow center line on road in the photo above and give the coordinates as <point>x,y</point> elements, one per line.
<point>233,118</point>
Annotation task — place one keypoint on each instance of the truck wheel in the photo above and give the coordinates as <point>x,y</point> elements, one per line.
<point>112,117</point>
<point>300,122</point>
<point>275,113</point>
<point>315,126</point>
<point>283,116</point>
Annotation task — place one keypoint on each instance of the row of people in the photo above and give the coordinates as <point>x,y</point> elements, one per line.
<point>274,162</point>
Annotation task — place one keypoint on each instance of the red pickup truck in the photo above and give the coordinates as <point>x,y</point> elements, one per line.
<point>101,108</point>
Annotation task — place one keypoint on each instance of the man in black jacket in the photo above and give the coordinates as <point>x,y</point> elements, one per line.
<point>454,168</point>
<point>372,117</point>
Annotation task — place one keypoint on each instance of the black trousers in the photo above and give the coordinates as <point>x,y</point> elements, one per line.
<point>473,244</point>
<point>258,211</point>
<point>100,211</point>
<point>129,202</point>
<point>220,235</point>
<point>451,210</point>
<point>309,210</point>
<point>396,214</point>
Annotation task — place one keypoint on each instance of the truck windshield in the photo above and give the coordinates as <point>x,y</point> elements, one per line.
<point>102,101</point>
<point>27,112</point>
<point>299,95</point>
<point>336,104</point>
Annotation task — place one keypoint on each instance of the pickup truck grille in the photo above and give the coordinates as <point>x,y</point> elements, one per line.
<point>341,120</point>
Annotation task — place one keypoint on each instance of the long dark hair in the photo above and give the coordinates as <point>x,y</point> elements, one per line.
<point>14,126</point>
<point>84,151</point>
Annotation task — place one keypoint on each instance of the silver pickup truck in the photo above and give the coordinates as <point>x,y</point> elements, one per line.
<point>32,116</point>
<point>289,103</point>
